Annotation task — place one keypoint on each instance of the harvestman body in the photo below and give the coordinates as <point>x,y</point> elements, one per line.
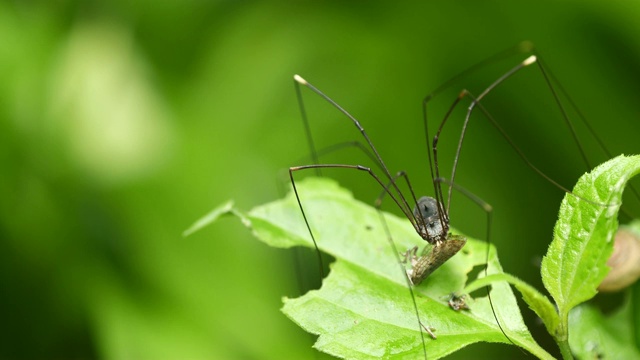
<point>429,217</point>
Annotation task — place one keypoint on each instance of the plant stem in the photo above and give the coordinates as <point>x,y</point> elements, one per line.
<point>562,336</point>
<point>565,350</point>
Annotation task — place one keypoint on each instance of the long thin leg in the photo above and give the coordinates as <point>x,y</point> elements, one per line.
<point>464,93</point>
<point>550,79</point>
<point>405,206</point>
<point>387,232</point>
<point>307,128</point>
<point>488,209</point>
<point>402,174</point>
<point>476,103</point>
<point>523,47</point>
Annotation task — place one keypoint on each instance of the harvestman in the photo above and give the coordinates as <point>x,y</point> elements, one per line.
<point>429,216</point>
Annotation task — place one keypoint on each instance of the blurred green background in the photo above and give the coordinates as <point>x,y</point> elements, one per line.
<point>122,123</point>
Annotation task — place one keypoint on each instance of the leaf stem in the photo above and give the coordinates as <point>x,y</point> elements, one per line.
<point>565,350</point>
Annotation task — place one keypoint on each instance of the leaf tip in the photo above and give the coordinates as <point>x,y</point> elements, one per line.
<point>209,218</point>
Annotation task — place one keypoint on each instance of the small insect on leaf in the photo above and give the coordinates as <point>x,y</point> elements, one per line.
<point>458,302</point>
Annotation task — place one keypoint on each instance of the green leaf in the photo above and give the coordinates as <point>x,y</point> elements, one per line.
<point>212,216</point>
<point>576,260</point>
<point>537,302</point>
<point>364,308</point>
<point>595,336</point>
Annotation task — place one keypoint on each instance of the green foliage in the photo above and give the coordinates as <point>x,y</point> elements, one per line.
<point>596,336</point>
<point>537,302</point>
<point>583,236</point>
<point>122,122</point>
<point>364,309</point>
<point>576,261</point>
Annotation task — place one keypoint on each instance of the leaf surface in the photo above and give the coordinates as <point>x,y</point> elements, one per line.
<point>364,308</point>
<point>596,336</point>
<point>575,263</point>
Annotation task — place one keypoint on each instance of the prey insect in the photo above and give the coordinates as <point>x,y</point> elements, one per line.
<point>458,302</point>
